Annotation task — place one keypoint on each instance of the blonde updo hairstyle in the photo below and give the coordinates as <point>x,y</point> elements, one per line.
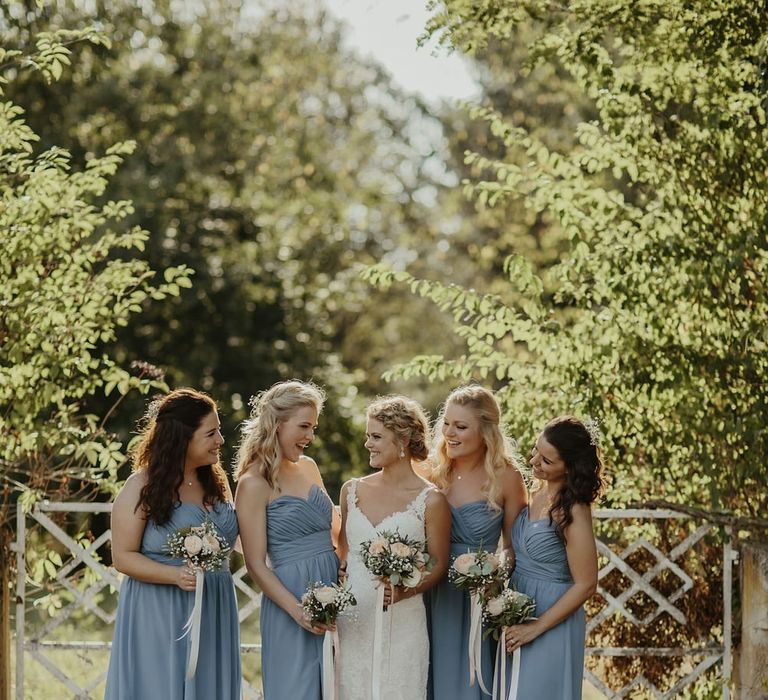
<point>259,446</point>
<point>406,419</point>
<point>500,451</point>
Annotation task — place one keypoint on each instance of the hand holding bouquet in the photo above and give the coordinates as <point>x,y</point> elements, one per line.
<point>201,546</point>
<point>396,559</point>
<point>508,608</point>
<point>323,604</point>
<point>479,572</point>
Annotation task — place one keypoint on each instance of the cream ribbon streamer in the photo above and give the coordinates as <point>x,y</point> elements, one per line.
<point>192,625</point>
<point>378,633</point>
<point>501,671</point>
<point>330,671</point>
<point>475,642</point>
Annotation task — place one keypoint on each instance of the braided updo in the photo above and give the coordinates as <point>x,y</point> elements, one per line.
<point>406,419</point>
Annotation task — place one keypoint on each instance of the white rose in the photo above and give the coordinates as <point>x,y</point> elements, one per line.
<point>325,595</point>
<point>495,606</point>
<point>212,543</point>
<point>464,562</point>
<point>400,549</point>
<point>193,544</point>
<point>378,546</point>
<point>413,579</point>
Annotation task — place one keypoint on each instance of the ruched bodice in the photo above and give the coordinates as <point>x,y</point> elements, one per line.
<point>299,528</point>
<point>474,525</point>
<point>155,538</point>
<point>300,552</point>
<point>539,552</point>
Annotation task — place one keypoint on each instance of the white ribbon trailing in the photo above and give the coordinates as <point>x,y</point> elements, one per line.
<point>501,671</point>
<point>378,633</point>
<point>475,642</point>
<point>330,670</point>
<point>192,625</point>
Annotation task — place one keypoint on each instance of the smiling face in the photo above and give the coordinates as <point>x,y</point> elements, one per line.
<point>382,444</point>
<point>461,431</point>
<point>546,462</point>
<point>205,443</point>
<point>295,433</point>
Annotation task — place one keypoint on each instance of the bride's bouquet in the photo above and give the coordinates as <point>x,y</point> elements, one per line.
<point>479,572</point>
<point>397,559</point>
<point>201,546</point>
<point>508,608</point>
<point>206,550</point>
<point>323,604</point>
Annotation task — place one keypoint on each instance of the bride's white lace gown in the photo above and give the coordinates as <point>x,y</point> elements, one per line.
<point>405,645</point>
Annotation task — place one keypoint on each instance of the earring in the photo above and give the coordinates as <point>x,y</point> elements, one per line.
<point>402,453</point>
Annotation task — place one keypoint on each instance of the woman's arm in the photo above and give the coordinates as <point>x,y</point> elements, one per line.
<point>128,526</point>
<point>251,500</point>
<point>342,549</point>
<point>581,551</point>
<point>437,525</point>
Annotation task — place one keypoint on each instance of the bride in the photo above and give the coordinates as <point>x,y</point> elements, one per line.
<point>394,498</point>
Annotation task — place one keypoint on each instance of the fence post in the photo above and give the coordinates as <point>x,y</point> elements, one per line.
<point>5,628</point>
<point>753,656</point>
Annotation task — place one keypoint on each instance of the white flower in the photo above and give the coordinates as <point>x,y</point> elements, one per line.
<point>400,549</point>
<point>413,579</point>
<point>211,542</point>
<point>494,560</point>
<point>325,595</point>
<point>192,545</point>
<point>463,562</point>
<point>419,559</point>
<point>495,606</point>
<point>378,546</point>
<point>517,598</point>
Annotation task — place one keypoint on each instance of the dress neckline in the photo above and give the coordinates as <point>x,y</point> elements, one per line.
<point>407,508</point>
<point>303,499</point>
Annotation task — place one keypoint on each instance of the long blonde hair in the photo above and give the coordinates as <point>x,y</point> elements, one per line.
<point>259,446</point>
<point>500,451</point>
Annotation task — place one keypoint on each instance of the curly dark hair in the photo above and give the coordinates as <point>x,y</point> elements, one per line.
<point>168,427</point>
<point>583,468</point>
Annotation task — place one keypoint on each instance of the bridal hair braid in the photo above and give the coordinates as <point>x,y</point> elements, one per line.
<point>259,446</point>
<point>583,468</point>
<point>406,419</point>
<point>168,426</point>
<point>500,451</point>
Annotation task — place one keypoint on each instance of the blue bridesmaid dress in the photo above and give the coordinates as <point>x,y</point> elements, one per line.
<point>472,525</point>
<point>148,659</point>
<point>300,552</point>
<point>552,665</point>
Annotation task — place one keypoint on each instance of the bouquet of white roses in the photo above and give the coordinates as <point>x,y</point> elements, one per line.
<point>323,603</point>
<point>396,559</point>
<point>508,608</point>
<point>479,571</point>
<point>201,546</point>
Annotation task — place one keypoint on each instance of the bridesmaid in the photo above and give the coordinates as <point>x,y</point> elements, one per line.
<point>177,482</point>
<point>285,514</point>
<point>557,559</point>
<point>474,467</point>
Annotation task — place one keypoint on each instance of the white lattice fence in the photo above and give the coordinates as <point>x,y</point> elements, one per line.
<point>642,583</point>
<point>38,642</point>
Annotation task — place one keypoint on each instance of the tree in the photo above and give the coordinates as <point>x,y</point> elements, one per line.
<point>658,321</point>
<point>69,279</point>
<point>274,164</point>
